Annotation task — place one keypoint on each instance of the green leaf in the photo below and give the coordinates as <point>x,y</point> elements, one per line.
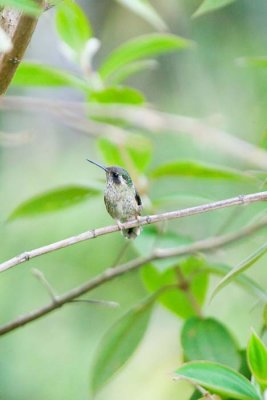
<point>245,281</point>
<point>208,339</point>
<point>177,299</point>
<point>257,358</point>
<point>141,47</point>
<point>144,9</point>
<point>33,74</point>
<point>119,95</point>
<point>130,69</point>
<point>152,237</point>
<point>211,5</point>
<point>260,62</point>
<point>218,379</point>
<point>244,368</point>
<point>196,395</point>
<point>195,169</point>
<point>135,150</point>
<point>120,342</point>
<point>72,25</point>
<point>53,200</point>
<point>29,7</point>
<point>244,265</point>
<point>262,143</point>
<point>265,315</point>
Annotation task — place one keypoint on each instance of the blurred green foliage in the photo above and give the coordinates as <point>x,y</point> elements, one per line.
<point>199,74</point>
<point>27,6</point>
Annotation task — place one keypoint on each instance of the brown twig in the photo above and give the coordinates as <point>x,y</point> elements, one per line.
<point>184,285</point>
<point>19,27</point>
<point>112,273</point>
<point>152,219</point>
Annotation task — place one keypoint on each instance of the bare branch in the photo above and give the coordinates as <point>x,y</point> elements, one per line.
<point>203,245</point>
<point>40,275</point>
<point>152,219</point>
<point>19,27</point>
<point>75,114</point>
<point>106,303</point>
<point>204,134</point>
<point>16,139</point>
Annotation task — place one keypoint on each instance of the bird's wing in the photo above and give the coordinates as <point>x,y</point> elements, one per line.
<point>138,198</point>
<point>138,201</point>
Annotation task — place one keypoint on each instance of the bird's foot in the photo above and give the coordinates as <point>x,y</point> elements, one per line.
<point>138,218</point>
<point>119,225</point>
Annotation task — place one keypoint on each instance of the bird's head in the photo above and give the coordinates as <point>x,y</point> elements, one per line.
<point>115,175</point>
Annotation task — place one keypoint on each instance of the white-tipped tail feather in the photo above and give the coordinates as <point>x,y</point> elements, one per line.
<point>132,233</point>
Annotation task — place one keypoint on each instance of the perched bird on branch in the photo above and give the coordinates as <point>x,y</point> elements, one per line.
<point>122,200</point>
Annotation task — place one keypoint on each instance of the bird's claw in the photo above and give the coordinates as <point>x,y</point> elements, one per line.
<point>119,225</point>
<point>138,218</point>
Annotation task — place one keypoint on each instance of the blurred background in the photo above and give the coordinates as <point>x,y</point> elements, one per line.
<point>51,358</point>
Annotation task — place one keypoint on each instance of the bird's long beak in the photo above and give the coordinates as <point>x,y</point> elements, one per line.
<point>98,165</point>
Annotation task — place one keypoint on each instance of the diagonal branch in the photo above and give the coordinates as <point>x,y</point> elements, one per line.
<point>157,121</point>
<point>75,114</point>
<point>151,219</point>
<point>112,273</point>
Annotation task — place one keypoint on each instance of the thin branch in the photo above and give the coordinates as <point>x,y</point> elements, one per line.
<point>202,133</point>
<point>203,245</point>
<point>47,285</point>
<point>19,27</point>
<point>40,275</point>
<point>184,285</point>
<point>152,219</point>
<point>75,114</point>
<point>14,139</point>
<point>118,259</point>
<point>106,303</point>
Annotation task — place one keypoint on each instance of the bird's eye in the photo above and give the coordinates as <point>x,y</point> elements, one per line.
<point>115,174</point>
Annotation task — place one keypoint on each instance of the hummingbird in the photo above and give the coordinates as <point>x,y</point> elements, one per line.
<point>122,200</point>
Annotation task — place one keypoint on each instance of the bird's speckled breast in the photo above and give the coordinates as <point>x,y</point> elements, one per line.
<point>120,202</point>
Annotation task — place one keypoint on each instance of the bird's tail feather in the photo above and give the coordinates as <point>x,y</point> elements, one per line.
<point>131,233</point>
